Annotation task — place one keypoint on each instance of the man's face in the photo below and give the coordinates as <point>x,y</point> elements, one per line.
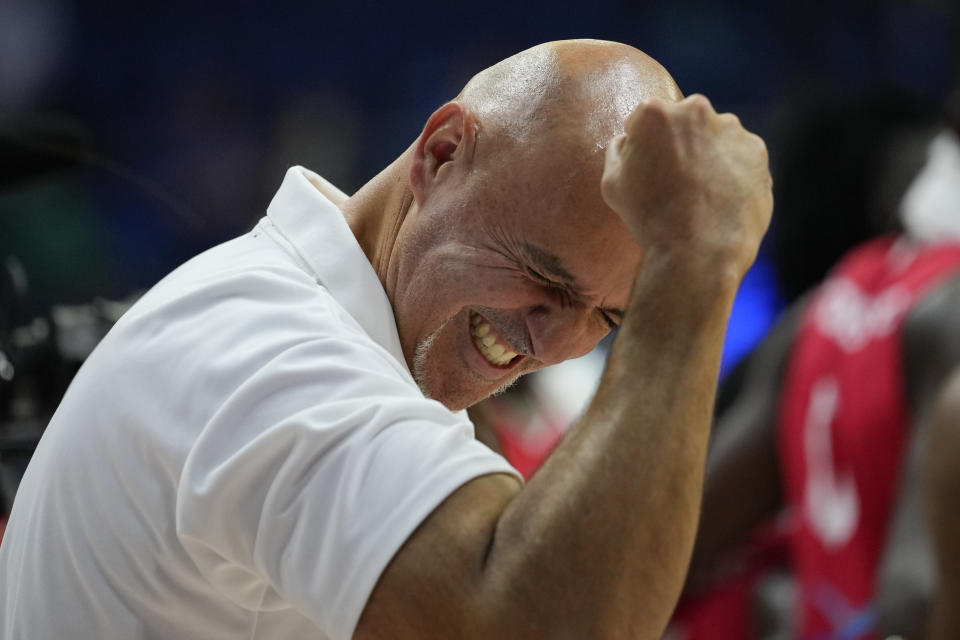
<point>507,270</point>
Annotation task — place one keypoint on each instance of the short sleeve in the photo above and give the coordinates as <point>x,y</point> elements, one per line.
<point>313,472</point>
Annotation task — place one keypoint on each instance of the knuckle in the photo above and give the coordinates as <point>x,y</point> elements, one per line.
<point>731,120</point>
<point>699,102</point>
<point>656,106</point>
<point>634,118</point>
<point>652,112</point>
<point>760,145</point>
<point>608,182</point>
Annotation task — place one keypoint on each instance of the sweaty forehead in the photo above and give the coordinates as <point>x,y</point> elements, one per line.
<point>587,84</point>
<point>590,247</point>
<point>611,92</point>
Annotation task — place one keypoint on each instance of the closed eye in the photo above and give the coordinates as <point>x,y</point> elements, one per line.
<point>558,288</point>
<point>608,318</point>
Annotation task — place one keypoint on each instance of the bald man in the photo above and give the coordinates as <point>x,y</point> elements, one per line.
<point>270,444</point>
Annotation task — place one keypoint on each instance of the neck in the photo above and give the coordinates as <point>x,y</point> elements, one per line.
<point>375,214</point>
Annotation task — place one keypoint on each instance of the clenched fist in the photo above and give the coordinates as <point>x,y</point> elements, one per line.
<point>690,183</point>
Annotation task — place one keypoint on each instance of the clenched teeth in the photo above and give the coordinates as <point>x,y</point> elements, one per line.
<point>494,352</point>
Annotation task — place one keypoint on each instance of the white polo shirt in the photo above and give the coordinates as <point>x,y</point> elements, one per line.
<point>240,457</point>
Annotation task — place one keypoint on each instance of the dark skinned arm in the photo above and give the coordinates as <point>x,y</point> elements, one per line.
<point>906,577</point>
<point>742,486</point>
<point>942,487</point>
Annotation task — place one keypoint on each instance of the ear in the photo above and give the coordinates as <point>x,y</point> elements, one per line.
<point>446,142</point>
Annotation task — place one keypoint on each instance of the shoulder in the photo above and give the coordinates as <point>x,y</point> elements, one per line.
<point>243,314</point>
<point>936,313</point>
<point>248,287</point>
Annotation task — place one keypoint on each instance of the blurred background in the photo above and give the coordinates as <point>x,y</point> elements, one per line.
<point>134,135</point>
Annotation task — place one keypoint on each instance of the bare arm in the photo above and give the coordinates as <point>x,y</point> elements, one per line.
<point>742,478</point>
<point>906,578</point>
<point>597,544</point>
<point>942,486</point>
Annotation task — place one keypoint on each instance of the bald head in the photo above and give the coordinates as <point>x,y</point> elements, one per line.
<point>590,84</point>
<point>495,215</point>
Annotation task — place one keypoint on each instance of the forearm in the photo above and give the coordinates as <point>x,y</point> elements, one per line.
<point>906,577</point>
<point>598,543</point>
<point>941,486</point>
<point>742,483</point>
<point>741,491</point>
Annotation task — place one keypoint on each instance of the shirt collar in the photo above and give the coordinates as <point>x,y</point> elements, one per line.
<point>324,241</point>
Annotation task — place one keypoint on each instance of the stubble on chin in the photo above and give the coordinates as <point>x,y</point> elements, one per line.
<point>424,380</point>
<point>420,356</point>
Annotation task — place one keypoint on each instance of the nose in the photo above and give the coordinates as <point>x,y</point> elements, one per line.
<point>560,333</point>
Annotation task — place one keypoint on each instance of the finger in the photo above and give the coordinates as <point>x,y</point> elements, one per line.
<point>699,106</point>
<point>730,119</point>
<point>612,162</point>
<point>652,115</point>
<point>760,148</point>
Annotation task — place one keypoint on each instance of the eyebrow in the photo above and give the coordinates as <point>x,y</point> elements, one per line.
<point>551,264</point>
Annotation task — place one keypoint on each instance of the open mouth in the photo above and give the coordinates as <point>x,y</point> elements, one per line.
<point>491,346</point>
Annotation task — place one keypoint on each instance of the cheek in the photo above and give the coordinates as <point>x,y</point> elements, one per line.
<point>449,278</point>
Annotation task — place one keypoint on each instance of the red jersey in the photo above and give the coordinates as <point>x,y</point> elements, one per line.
<point>719,605</point>
<point>844,424</point>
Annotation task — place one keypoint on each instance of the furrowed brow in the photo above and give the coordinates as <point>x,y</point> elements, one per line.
<point>550,263</point>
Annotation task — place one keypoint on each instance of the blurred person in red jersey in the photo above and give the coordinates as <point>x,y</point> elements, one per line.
<point>829,424</point>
